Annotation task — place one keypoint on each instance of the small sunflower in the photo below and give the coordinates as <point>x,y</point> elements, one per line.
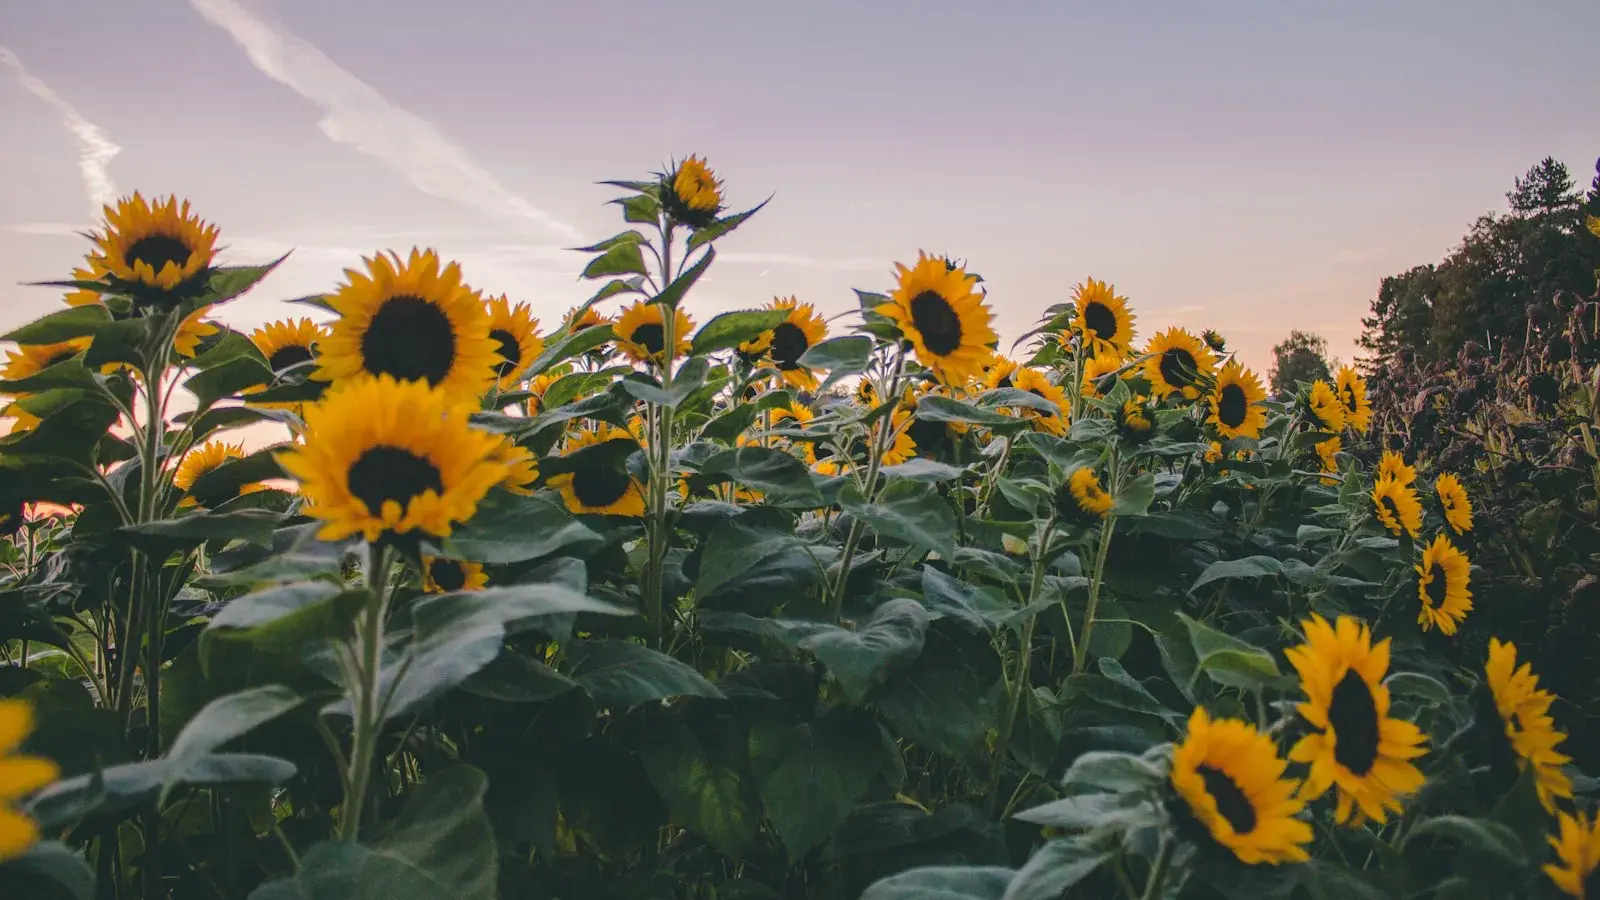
<point>1236,407</point>
<point>1323,404</point>
<point>1213,452</point>
<point>413,321</point>
<point>692,194</point>
<point>603,488</point>
<point>1038,384</point>
<point>946,321</point>
<point>446,576</point>
<point>1397,507</point>
<point>160,247</point>
<point>204,460</point>
<point>902,446</point>
<point>382,455</point>
<point>1214,340</point>
<point>19,775</point>
<point>1096,370</point>
<point>999,373</point>
<point>1454,502</point>
<point>288,344</point>
<point>751,351</point>
<point>1392,467</point>
<point>1179,363</point>
<point>641,332</point>
<point>1525,715</point>
<point>574,321</point>
<point>1578,848</point>
<point>792,338</point>
<point>516,335</point>
<point>1134,419</point>
<point>31,359</point>
<point>1356,747</point>
<point>1442,586</point>
<point>1328,455</point>
<point>1231,779</point>
<point>1082,499</point>
<point>797,413</point>
<point>1103,318</point>
<point>522,467</point>
<point>1352,391</point>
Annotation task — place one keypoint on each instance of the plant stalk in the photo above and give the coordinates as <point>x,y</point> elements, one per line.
<point>368,653</point>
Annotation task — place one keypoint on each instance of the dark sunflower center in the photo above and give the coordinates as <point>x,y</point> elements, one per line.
<point>157,250</point>
<point>789,343</point>
<point>937,321</point>
<point>288,357</point>
<point>447,574</point>
<point>1100,320</point>
<point>1437,585</point>
<point>1347,394</point>
<point>61,357</point>
<point>410,339</point>
<point>1232,406</point>
<point>1004,382</point>
<point>1354,717</point>
<point>384,473</point>
<point>510,351</point>
<point>651,336</point>
<point>598,486</point>
<point>1393,508</point>
<point>1591,883</point>
<point>1231,801</point>
<point>1178,367</point>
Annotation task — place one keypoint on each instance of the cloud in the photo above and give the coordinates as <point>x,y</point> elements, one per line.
<point>805,262</point>
<point>95,150</point>
<point>355,114</point>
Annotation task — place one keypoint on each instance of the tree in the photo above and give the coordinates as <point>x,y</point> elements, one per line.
<point>1302,356</point>
<point>1545,190</point>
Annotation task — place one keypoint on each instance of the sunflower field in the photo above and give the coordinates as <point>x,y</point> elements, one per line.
<point>649,604</point>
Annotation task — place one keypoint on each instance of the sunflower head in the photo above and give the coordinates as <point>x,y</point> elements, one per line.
<point>944,318</point>
<point>1213,452</point>
<point>1038,384</point>
<point>1530,736</point>
<point>1135,420</point>
<point>1214,340</point>
<point>599,481</point>
<point>522,467</point>
<point>1454,503</point>
<point>1081,499</point>
<point>692,193</point>
<point>1352,391</point>
<point>1354,746</point>
<point>642,336</point>
<point>387,457</point>
<point>516,335</point>
<point>446,576</point>
<point>1328,457</point>
<point>1578,847</point>
<point>1231,781</point>
<point>1235,403</point>
<point>31,359</point>
<point>289,344</point>
<point>1179,363</point>
<point>1098,377</point>
<point>19,776</point>
<point>1443,586</point>
<point>792,338</point>
<point>578,319</point>
<point>155,249</point>
<point>1397,507</point>
<point>204,460</point>
<point>1392,467</point>
<point>999,373</point>
<point>1324,412</point>
<point>1103,320</point>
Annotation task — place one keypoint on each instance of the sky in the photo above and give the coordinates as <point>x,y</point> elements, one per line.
<point>1246,166</point>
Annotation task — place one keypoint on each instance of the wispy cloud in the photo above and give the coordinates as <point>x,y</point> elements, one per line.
<point>355,114</point>
<point>95,150</point>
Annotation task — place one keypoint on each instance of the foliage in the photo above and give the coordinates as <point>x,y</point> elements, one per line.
<point>1301,357</point>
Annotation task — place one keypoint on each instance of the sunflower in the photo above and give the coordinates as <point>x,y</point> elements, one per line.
<point>1355,747</point>
<point>1392,467</point>
<point>516,336</point>
<point>1236,403</point>
<point>1095,372</point>
<point>1082,499</point>
<point>287,344</point>
<point>1578,848</point>
<point>1352,391</point>
<point>798,413</point>
<point>604,488</point>
<point>792,338</point>
<point>160,247</point>
<point>1231,779</point>
<point>946,321</point>
<point>1213,452</point>
<point>21,419</point>
<point>1179,362</point>
<point>1038,384</point>
<point>446,576</point>
<point>1442,586</point>
<point>574,321</point>
<point>1134,418</point>
<point>641,332</point>
<point>1328,455</point>
<point>1525,714</point>
<point>1214,340</point>
<point>522,467</point>
<point>1324,406</point>
<point>1397,507</point>
<point>1454,502</point>
<point>191,330</point>
<point>19,775</point>
<point>413,321</point>
<point>1103,318</point>
<point>204,460</point>
<point>750,352</point>
<point>998,373</point>
<point>382,455</point>
<point>692,194</point>
<point>31,359</point>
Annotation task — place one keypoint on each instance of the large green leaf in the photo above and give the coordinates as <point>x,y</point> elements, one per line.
<point>1248,567</point>
<point>701,774</point>
<point>950,698</point>
<point>765,469</point>
<point>860,660</point>
<point>722,226</point>
<point>673,293</point>
<point>569,346</point>
<point>619,673</point>
<point>227,380</point>
<point>619,257</point>
<point>943,883</point>
<point>810,776</point>
<point>1476,835</point>
<point>731,329</point>
<point>944,409</point>
<point>49,871</point>
<point>114,790</point>
<point>734,548</point>
<point>63,325</point>
<point>1055,869</point>
<point>221,721</point>
<point>254,526</point>
<point>907,511</point>
<point>224,283</point>
<point>512,529</point>
<point>1228,660</point>
<point>690,377</point>
<point>286,615</point>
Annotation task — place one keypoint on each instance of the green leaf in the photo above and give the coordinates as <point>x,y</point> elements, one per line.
<point>860,660</point>
<point>1086,812</point>
<point>221,721</point>
<point>64,325</point>
<point>958,600</point>
<point>920,468</point>
<point>117,789</point>
<point>253,526</point>
<point>1477,835</point>
<point>944,409</point>
<point>949,699</point>
<point>1107,770</point>
<point>734,328</point>
<point>224,482</point>
<point>732,423</point>
<point>1415,684</point>
<point>639,208</point>
<point>1090,690</point>
<point>1055,869</point>
<point>623,674</point>
<point>1248,567</point>
<point>72,427</point>
<point>907,511</point>
<point>514,678</point>
<point>688,380</point>
<point>224,283</point>
<point>722,226</point>
<point>841,355</point>
<point>1135,497</point>
<point>616,240</point>
<point>765,469</point>
<point>734,548</point>
<point>700,775</point>
<point>569,346</point>
<point>580,385</point>
<point>69,374</point>
<point>228,380</point>
<point>942,883</point>
<point>674,292</point>
<point>622,258</point>
<point>1228,660</point>
<point>1331,880</point>
<point>510,529</point>
<point>286,615</point>
<point>223,418</point>
<point>48,871</point>
<point>810,776</point>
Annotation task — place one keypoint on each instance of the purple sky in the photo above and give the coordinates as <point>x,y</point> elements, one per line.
<point>1246,166</point>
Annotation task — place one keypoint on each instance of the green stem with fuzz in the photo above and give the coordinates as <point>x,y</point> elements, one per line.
<point>367,670</point>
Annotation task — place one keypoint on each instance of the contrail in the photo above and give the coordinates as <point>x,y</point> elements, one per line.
<point>355,114</point>
<point>95,150</point>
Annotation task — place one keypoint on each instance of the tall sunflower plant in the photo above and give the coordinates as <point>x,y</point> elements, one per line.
<point>638,600</point>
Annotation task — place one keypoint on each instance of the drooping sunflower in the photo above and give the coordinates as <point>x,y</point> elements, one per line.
<point>1231,780</point>
<point>19,776</point>
<point>516,335</point>
<point>602,485</point>
<point>1038,384</point>
<point>946,321</point>
<point>998,373</point>
<point>446,576</point>
<point>288,344</point>
<point>1578,848</point>
<point>792,338</point>
<point>1352,391</point>
<point>1397,507</point>
<point>1356,747</point>
<point>1327,413</point>
<point>412,320</point>
<point>386,456</point>
<point>1214,340</point>
<point>1524,713</point>
<point>31,359</point>
<point>692,193</point>
<point>1328,455</point>
<point>1454,503</point>
<point>1095,372</point>
<point>204,460</point>
<point>1134,420</point>
<point>158,247</point>
<point>1082,499</point>
<point>1392,467</point>
<point>1443,586</point>
<point>1179,363</point>
<point>1236,407</point>
<point>641,332</point>
<point>1103,318</point>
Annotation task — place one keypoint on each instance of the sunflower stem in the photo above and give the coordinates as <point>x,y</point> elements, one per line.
<point>1158,870</point>
<point>660,456</point>
<point>1080,649</point>
<point>881,437</point>
<point>368,654</point>
<point>1019,682</point>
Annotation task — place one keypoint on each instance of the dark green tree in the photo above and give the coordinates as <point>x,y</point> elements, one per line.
<point>1302,356</point>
